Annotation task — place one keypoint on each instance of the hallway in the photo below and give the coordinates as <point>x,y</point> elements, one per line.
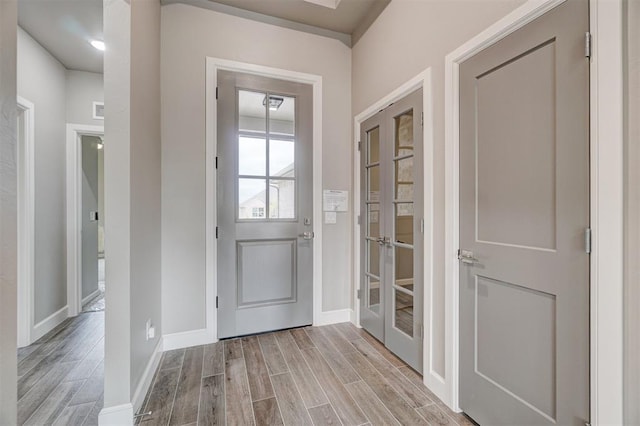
<point>334,374</point>
<point>61,376</point>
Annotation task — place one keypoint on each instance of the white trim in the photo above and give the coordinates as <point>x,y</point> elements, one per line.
<point>212,67</point>
<point>89,297</point>
<point>333,317</point>
<point>606,200</point>
<point>118,415</point>
<point>74,206</point>
<point>186,339</point>
<point>423,80</point>
<point>147,376</point>
<point>26,223</point>
<point>49,323</point>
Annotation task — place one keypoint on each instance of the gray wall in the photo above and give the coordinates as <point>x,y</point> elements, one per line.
<point>408,37</point>
<point>132,191</point>
<point>42,80</point>
<point>632,215</point>
<point>8,209</point>
<point>90,195</point>
<point>83,88</point>
<point>189,35</point>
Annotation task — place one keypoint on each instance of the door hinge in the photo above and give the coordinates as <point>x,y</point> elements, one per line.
<point>216,93</point>
<point>587,240</point>
<point>359,294</point>
<point>358,219</point>
<point>216,302</point>
<point>422,226</point>
<point>216,163</point>
<point>422,119</point>
<point>359,145</point>
<point>216,232</point>
<point>587,44</point>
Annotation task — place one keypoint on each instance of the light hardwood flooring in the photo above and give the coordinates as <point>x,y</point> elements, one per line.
<point>61,376</point>
<point>329,375</point>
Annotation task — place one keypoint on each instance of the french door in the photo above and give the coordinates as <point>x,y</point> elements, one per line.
<point>392,226</point>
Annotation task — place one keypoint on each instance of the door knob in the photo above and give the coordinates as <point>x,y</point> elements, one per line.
<point>383,241</point>
<point>307,235</point>
<point>466,257</point>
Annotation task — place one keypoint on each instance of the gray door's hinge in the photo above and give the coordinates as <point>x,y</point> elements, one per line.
<point>359,145</point>
<point>587,240</point>
<point>216,232</point>
<point>587,44</point>
<point>422,119</point>
<point>216,93</point>
<point>216,162</point>
<point>358,219</point>
<point>216,302</point>
<point>359,294</point>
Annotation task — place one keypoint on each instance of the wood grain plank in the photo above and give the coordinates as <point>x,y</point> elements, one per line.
<point>397,405</point>
<point>162,395</point>
<point>28,381</point>
<point>90,338</point>
<point>237,396</point>
<point>341,400</point>
<point>334,358</point>
<point>290,402</point>
<point>92,389</point>
<point>54,404</point>
<point>272,355</point>
<point>213,359</point>
<point>401,384</point>
<point>31,400</point>
<point>348,330</point>
<point>172,359</point>
<point>89,363</point>
<point>267,412</point>
<point>92,418</point>
<point>232,349</point>
<point>386,353</point>
<point>301,338</point>
<point>372,407</point>
<point>324,415</point>
<point>337,339</point>
<point>74,415</point>
<point>435,416</point>
<point>212,409</point>
<point>259,382</point>
<point>185,407</point>
<point>416,379</point>
<point>36,356</point>
<point>310,390</point>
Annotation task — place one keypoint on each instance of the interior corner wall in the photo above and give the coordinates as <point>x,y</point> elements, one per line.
<point>8,213</point>
<point>407,38</point>
<point>189,35</point>
<point>83,89</point>
<point>42,80</point>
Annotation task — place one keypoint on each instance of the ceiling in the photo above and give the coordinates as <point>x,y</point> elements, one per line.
<point>64,28</point>
<point>350,18</point>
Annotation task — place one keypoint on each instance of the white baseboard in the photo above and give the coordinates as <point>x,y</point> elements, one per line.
<point>147,376</point>
<point>118,415</point>
<point>49,323</point>
<point>333,317</point>
<point>91,296</point>
<point>186,339</point>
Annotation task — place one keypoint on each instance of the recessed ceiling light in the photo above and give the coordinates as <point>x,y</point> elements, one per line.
<point>98,44</point>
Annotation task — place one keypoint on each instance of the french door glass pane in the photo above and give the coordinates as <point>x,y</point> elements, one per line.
<point>282,195</point>
<point>374,183</point>
<point>404,266</point>
<point>373,220</point>
<point>374,145</point>
<point>403,312</point>
<point>404,170</point>
<point>373,257</point>
<point>404,223</point>
<point>404,134</point>
<point>252,156</point>
<point>282,113</point>
<point>281,158</point>
<point>373,284</point>
<point>252,114</point>
<point>252,200</point>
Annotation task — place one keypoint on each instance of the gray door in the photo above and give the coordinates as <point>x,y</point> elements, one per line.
<point>524,209</point>
<point>392,242</point>
<point>265,204</point>
<point>90,182</point>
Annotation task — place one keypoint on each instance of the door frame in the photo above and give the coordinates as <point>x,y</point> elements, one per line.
<point>210,333</point>
<point>422,80</point>
<point>74,211</point>
<point>26,224</point>
<point>606,204</point>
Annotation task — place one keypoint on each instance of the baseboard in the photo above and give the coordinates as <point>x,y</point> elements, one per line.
<point>186,339</point>
<point>118,415</point>
<point>49,323</point>
<point>89,297</point>
<point>333,317</point>
<point>353,318</point>
<point>147,377</point>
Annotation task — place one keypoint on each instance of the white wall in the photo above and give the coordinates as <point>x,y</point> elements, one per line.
<point>83,88</point>
<point>42,80</point>
<point>8,211</point>
<point>189,35</point>
<point>408,37</point>
<point>132,194</point>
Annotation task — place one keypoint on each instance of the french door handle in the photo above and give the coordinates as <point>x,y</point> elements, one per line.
<point>383,241</point>
<point>466,257</point>
<point>307,235</point>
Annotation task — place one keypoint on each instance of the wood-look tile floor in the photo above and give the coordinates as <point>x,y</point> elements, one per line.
<point>329,375</point>
<point>61,376</point>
